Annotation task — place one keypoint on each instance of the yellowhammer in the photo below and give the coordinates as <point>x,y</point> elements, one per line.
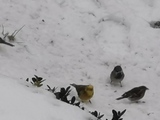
<point>85,92</point>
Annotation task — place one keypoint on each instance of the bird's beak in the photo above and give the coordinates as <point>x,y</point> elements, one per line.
<point>147,88</point>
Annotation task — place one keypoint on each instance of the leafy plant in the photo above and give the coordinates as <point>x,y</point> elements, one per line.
<point>51,90</point>
<point>62,95</point>
<point>6,43</point>
<point>12,36</point>
<point>64,92</point>
<point>97,115</point>
<point>36,81</point>
<point>117,115</point>
<point>72,101</point>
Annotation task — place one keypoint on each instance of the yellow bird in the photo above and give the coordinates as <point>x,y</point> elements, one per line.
<point>85,92</point>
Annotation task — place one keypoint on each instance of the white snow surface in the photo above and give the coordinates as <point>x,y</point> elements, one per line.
<point>79,41</point>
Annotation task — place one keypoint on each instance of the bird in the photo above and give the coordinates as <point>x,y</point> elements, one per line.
<point>4,42</point>
<point>85,92</point>
<point>117,75</point>
<point>134,94</point>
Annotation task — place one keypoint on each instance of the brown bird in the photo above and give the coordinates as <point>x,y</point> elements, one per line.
<point>134,94</point>
<point>4,42</point>
<point>85,92</point>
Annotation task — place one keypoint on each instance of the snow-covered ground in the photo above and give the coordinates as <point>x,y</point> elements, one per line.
<point>79,41</point>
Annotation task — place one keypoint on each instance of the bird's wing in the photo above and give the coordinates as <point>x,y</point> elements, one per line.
<point>138,93</point>
<point>131,92</point>
<point>80,88</point>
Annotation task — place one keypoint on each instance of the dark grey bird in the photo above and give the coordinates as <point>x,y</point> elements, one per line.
<point>117,75</point>
<point>4,42</point>
<point>134,94</point>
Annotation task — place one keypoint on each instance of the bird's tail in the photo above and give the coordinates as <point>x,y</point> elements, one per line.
<point>74,85</point>
<point>120,98</point>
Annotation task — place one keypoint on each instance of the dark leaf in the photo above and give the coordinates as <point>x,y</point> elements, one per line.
<point>123,112</point>
<point>62,91</point>
<point>99,117</point>
<point>42,81</point>
<point>114,113</point>
<point>36,76</point>
<point>115,116</point>
<point>49,88</point>
<point>34,79</point>
<point>77,104</point>
<point>83,109</point>
<point>94,113</point>
<point>73,100</point>
<point>54,89</point>
<point>67,89</point>
<point>27,79</point>
<point>119,113</point>
<point>64,99</point>
<point>39,79</point>
<point>57,94</point>
<point>66,94</point>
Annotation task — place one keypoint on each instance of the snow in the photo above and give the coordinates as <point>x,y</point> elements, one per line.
<point>72,41</point>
